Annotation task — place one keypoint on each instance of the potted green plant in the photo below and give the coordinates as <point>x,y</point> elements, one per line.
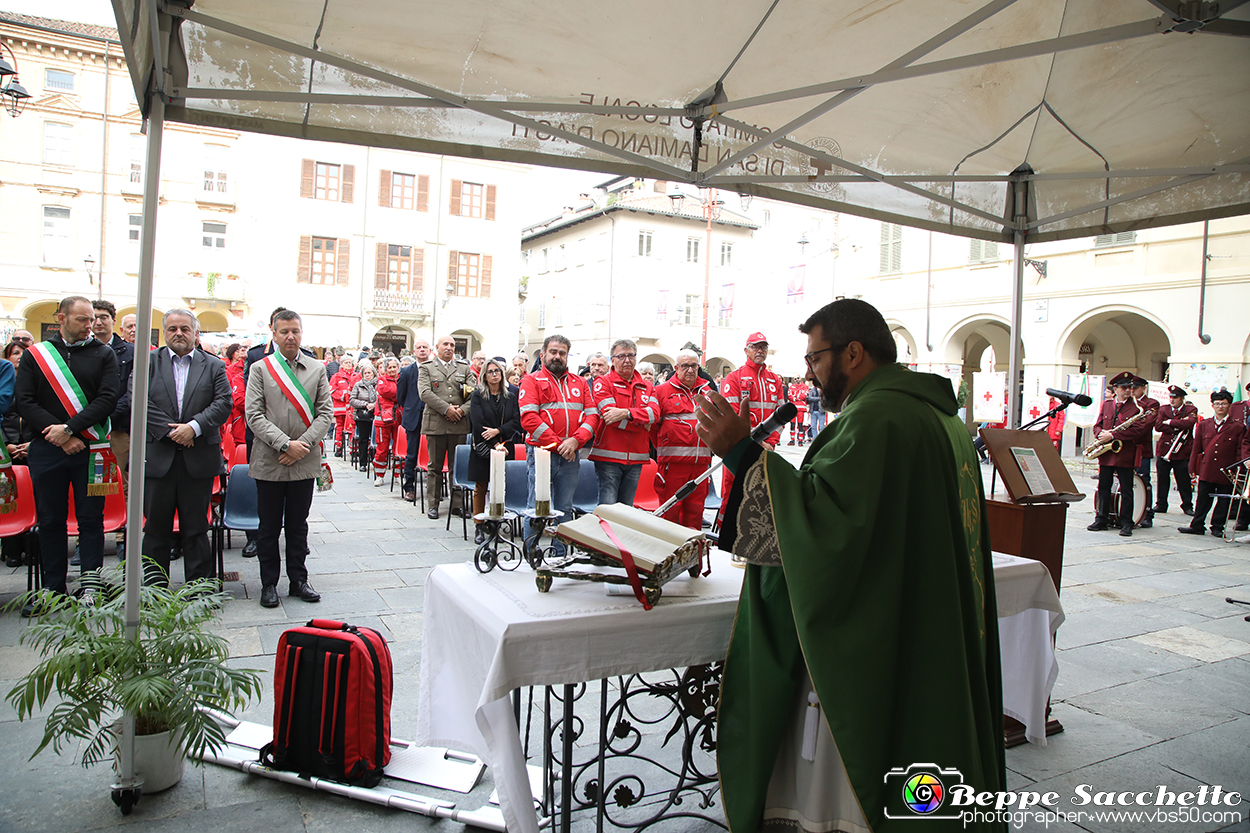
<point>169,675</point>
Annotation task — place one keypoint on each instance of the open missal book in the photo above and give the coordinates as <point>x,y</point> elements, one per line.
<point>650,540</point>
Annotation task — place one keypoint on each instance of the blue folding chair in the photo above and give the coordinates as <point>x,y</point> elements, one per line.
<point>516,491</point>
<point>460,483</point>
<point>241,510</point>
<point>586,495</point>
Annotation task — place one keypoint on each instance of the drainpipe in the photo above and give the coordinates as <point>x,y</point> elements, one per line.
<point>1202,286</point>
<point>104,163</point>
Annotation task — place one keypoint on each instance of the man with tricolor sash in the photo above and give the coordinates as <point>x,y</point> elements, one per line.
<point>66,390</point>
<point>289,410</point>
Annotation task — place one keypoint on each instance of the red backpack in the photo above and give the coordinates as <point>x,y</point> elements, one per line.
<point>332,703</point>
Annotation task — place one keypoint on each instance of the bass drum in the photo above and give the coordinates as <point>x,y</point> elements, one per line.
<point>1139,501</point>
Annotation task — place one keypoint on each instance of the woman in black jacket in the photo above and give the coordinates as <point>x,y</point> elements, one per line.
<point>17,436</point>
<point>494,418</point>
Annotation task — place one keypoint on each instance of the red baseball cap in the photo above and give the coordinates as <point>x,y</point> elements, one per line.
<point>756,338</point>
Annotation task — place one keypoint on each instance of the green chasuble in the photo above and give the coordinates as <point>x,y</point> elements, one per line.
<point>885,596</point>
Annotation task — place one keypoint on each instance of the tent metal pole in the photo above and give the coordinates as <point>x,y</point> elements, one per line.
<point>1015,364</point>
<point>139,408</point>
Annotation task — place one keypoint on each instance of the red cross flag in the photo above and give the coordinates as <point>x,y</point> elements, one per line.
<point>989,397</point>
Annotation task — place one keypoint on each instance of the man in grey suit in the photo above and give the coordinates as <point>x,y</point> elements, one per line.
<point>188,402</point>
<point>445,423</point>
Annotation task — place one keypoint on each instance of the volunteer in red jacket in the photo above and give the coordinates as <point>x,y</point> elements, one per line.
<point>1218,443</point>
<point>757,388</point>
<point>1119,464</point>
<point>384,418</point>
<point>798,425</point>
<point>341,384</point>
<point>1175,423</point>
<point>627,413</point>
<point>236,425</point>
<point>557,414</point>
<point>679,453</point>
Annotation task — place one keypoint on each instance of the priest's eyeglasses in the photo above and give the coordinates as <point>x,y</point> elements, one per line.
<point>807,357</point>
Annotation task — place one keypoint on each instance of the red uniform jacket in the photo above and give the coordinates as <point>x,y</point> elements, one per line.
<point>554,409</point>
<point>798,395</point>
<point>1111,415</point>
<point>1171,422</point>
<point>1148,436</point>
<point>1215,449</point>
<point>385,409</point>
<point>761,387</point>
<point>624,441</point>
<point>674,436</point>
<point>341,388</point>
<point>236,425</point>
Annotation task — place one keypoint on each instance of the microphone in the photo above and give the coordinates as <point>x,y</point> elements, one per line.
<point>779,418</point>
<point>1066,398</point>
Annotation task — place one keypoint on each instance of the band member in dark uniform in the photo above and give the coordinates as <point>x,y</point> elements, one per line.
<point>1175,423</point>
<point>1218,443</point>
<point>1240,412</point>
<point>1147,449</point>
<point>1118,464</point>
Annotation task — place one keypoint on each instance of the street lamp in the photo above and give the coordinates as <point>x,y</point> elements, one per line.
<point>14,95</point>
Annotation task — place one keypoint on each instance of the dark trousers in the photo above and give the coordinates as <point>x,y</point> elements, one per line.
<point>1206,496</point>
<point>410,461</point>
<point>283,504</point>
<point>1143,471</point>
<point>364,440</point>
<point>53,473</point>
<point>1166,471</point>
<point>442,448</point>
<point>177,492</point>
<point>1125,476</point>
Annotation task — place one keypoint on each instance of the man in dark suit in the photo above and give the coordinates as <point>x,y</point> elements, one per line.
<point>408,397</point>
<point>189,399</point>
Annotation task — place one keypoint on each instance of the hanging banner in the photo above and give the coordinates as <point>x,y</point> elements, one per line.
<point>1034,407</point>
<point>726,302</point>
<point>989,397</point>
<point>1158,391</point>
<point>1091,386</point>
<point>794,284</point>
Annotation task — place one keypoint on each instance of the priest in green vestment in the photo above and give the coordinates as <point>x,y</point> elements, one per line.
<point>866,640</point>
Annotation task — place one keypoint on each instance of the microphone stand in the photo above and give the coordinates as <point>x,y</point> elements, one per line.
<point>1049,414</point>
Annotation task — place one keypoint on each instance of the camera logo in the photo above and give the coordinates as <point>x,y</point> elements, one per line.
<point>920,791</point>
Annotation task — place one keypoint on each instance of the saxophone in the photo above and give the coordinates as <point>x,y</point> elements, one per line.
<point>1097,449</point>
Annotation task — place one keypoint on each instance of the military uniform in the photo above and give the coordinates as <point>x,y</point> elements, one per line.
<point>443,385</point>
<point>1217,445</point>
<point>1119,464</point>
<point>1171,423</point>
<point>1147,452</point>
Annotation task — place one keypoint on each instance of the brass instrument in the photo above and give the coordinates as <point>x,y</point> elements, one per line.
<point>1097,449</point>
<point>1182,437</point>
<point>1239,493</point>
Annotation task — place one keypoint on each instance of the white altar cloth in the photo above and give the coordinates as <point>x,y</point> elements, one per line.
<point>488,634</point>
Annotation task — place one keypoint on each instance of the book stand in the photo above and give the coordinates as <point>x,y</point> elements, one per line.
<point>688,558</point>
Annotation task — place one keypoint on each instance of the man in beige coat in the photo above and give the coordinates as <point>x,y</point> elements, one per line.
<point>289,410</point>
<point>445,384</point>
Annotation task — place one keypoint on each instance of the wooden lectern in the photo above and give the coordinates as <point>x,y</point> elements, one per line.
<point>1027,524</point>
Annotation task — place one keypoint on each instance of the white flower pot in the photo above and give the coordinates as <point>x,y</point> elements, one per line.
<point>157,758</point>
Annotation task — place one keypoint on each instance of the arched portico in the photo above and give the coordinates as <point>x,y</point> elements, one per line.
<point>719,364</point>
<point>1109,340</point>
<point>212,321</point>
<point>393,338</point>
<point>905,342</point>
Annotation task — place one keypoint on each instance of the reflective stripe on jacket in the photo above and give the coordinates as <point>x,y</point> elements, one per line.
<point>762,387</point>
<point>624,441</point>
<point>554,409</point>
<point>675,438</point>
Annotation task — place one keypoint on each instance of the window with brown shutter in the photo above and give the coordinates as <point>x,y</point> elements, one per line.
<point>349,183</point>
<point>379,268</point>
<point>471,198</point>
<point>454,208</point>
<point>343,263</point>
<point>418,270</point>
<point>303,269</point>
<point>326,181</point>
<point>307,170</point>
<point>468,274</point>
<point>484,283</point>
<point>423,193</point>
<point>490,202</point>
<point>403,191</point>
<point>453,271</point>
<point>324,256</point>
<point>384,189</point>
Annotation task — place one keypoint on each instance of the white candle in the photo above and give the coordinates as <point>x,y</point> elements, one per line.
<point>542,475</point>
<point>497,458</point>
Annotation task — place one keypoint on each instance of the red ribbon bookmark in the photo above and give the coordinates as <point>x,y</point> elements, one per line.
<point>631,569</point>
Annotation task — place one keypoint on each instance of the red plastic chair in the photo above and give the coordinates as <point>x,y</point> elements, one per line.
<point>22,520</point>
<point>646,497</point>
<point>423,468</point>
<point>240,455</point>
<point>401,452</point>
<point>227,445</point>
<point>114,513</point>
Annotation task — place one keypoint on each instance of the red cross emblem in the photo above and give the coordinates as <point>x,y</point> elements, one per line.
<point>989,397</point>
<point>1034,412</point>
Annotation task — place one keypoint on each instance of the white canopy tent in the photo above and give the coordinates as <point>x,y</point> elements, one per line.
<point>1008,120</point>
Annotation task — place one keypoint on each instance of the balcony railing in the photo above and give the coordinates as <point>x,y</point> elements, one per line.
<point>387,301</point>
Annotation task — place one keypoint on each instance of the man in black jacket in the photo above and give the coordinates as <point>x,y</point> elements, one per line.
<point>119,437</point>
<point>408,398</point>
<point>70,367</point>
<point>189,400</point>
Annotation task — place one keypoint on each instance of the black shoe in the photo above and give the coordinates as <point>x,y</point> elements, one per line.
<point>269,596</point>
<point>1098,526</point>
<point>1126,532</point>
<point>1189,530</point>
<point>1217,533</point>
<point>1188,510</point>
<point>175,553</point>
<point>1240,527</point>
<point>1160,510</point>
<point>479,536</point>
<point>1146,523</point>
<point>249,550</point>
<point>13,560</point>
<point>32,608</point>
<point>432,514</point>
<point>75,560</point>
<point>305,591</point>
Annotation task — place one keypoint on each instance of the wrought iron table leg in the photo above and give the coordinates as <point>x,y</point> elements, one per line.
<point>566,763</point>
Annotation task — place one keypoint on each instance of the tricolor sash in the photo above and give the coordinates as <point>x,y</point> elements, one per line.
<point>103,477</point>
<point>285,379</point>
<point>8,482</point>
